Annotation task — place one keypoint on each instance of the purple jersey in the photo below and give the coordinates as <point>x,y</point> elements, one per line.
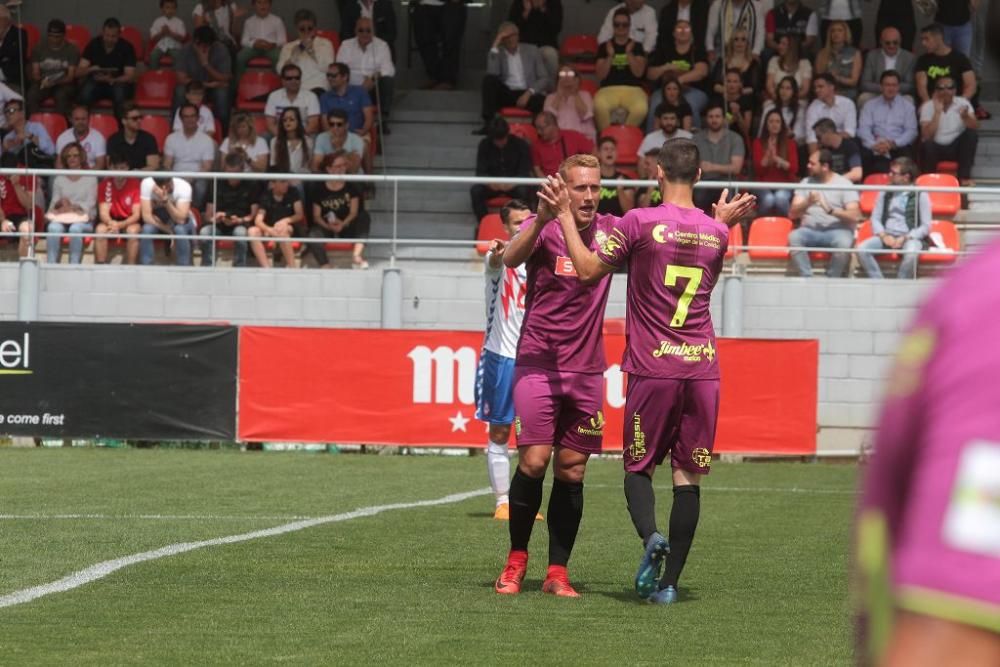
<point>930,520</point>
<point>561,330</point>
<point>674,258</point>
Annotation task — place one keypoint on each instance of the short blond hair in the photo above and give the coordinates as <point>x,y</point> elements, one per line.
<point>585,160</point>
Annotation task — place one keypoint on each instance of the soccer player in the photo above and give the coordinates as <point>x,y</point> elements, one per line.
<point>558,378</point>
<point>674,254</point>
<point>505,291</point>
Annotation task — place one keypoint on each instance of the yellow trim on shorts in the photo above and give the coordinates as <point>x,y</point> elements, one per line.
<point>949,607</point>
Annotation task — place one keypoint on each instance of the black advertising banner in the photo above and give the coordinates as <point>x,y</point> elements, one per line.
<point>129,381</point>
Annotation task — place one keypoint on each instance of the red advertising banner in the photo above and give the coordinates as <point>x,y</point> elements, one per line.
<point>415,387</point>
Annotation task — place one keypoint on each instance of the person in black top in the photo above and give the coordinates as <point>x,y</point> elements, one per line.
<point>107,68</point>
<point>794,19</point>
<point>279,213</point>
<point>232,212</point>
<point>646,195</point>
<point>13,51</point>
<point>500,154</point>
<point>940,60</point>
<point>845,151</point>
<point>338,211</point>
<point>138,146</point>
<point>684,58</point>
<point>739,106</point>
<point>692,12</point>
<point>621,62</point>
<point>614,200</point>
<point>540,22</point>
<point>955,16</point>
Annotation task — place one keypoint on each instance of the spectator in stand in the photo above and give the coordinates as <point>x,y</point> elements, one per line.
<point>787,62</point>
<point>887,127</point>
<point>725,18</point>
<point>670,94</point>
<point>897,14</point>
<point>614,200</point>
<point>92,142</point>
<point>72,207</point>
<point>826,217</point>
<point>681,59</point>
<point>572,106</point>
<point>792,108</point>
<point>208,61</point>
<point>642,24</point>
<point>22,134</point>
<point>948,127</point>
<point>649,195</point>
<point>692,12</point>
<point>722,153</point>
<point>775,160</point>
<point>291,95</point>
<point>243,139</point>
<point>6,94</point>
<point>382,14</point>
<point>555,145</point>
<point>845,153</point>
<point>338,212</point>
<point>669,119</point>
<point>900,221</point>
<point>13,50</point>
<point>136,145</point>
<point>500,155</point>
<point>311,53</point>
<point>279,214</point>
<point>231,212</point>
<point>167,32</point>
<point>828,104</point>
<point>540,22</point>
<point>352,99</point>
<point>165,204</point>
<point>738,57</point>
<point>621,62</point>
<point>956,20</point>
<point>15,204</point>
<point>291,148</point>
<point>890,56</point>
<point>220,16</point>
<point>940,60</point>
<point>438,27</point>
<point>118,210</point>
<point>792,19</point>
<point>371,67</point>
<point>195,94</point>
<point>53,70</point>
<point>338,138</point>
<point>849,11</point>
<point>515,76</point>
<point>263,36</point>
<point>739,106</point>
<point>107,68</point>
<point>841,60</point>
<point>190,150</point>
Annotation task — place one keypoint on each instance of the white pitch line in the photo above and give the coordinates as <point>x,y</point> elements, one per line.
<point>103,569</point>
<point>156,517</point>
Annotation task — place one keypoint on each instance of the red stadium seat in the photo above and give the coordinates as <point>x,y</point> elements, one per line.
<point>54,123</point>
<point>735,239</point>
<point>497,202</point>
<point>943,204</point>
<point>868,197</point>
<point>865,233</point>
<point>769,231</point>
<point>134,36</point>
<point>331,35</point>
<point>580,51</point>
<point>490,227</point>
<point>104,123</point>
<point>948,234</point>
<point>255,84</point>
<point>155,89</point>
<point>614,326</point>
<point>525,131</point>
<point>34,35</point>
<point>628,138</point>
<point>947,167</point>
<point>261,61</point>
<point>260,124</point>
<point>589,85</point>
<point>78,35</point>
<point>158,126</point>
<point>516,114</point>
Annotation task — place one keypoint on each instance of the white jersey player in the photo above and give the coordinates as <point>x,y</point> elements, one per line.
<point>505,292</point>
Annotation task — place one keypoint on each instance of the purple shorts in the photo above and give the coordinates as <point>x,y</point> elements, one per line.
<point>559,408</point>
<point>668,415</point>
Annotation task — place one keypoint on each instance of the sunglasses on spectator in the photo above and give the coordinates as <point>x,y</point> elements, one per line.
<point>293,78</point>
<point>337,123</point>
<point>363,30</point>
<point>9,110</point>
<point>619,24</point>
<point>306,28</point>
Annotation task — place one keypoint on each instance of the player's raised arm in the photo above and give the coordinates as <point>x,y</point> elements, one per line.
<point>522,244</point>
<point>731,212</point>
<point>556,194</point>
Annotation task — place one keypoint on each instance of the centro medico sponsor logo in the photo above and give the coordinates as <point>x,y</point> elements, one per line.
<point>14,357</point>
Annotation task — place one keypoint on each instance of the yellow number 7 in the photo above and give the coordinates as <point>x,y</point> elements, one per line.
<point>693,275</point>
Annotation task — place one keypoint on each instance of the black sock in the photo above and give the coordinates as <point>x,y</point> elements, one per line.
<point>525,499</point>
<point>641,500</point>
<point>683,522</point>
<point>565,512</point>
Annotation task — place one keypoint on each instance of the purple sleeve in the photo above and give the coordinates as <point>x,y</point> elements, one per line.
<point>614,247</point>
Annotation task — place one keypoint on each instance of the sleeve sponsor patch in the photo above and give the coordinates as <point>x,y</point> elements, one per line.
<point>972,520</point>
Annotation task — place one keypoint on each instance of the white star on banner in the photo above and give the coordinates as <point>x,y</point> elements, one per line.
<point>458,422</point>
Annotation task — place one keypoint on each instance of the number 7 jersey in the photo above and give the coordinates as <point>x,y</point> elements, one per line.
<point>674,258</point>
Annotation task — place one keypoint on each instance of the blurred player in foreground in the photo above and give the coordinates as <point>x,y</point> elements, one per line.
<point>674,254</point>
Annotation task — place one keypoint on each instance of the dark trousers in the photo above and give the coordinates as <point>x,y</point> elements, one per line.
<point>385,87</point>
<point>497,95</point>
<point>62,94</point>
<point>705,197</point>
<point>855,25</point>
<point>118,93</point>
<point>962,151</point>
<point>879,164</point>
<point>438,31</point>
<point>481,192</point>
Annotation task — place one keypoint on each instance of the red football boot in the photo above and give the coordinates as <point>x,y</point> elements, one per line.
<point>557,583</point>
<point>509,581</point>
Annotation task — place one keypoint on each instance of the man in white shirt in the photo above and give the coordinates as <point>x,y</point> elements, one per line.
<point>291,95</point>
<point>669,129</point>
<point>190,150</point>
<point>948,127</point>
<point>370,60</point>
<point>94,143</point>
<point>165,207</point>
<point>642,28</point>
<point>828,104</point>
<point>263,36</point>
<point>311,52</point>
<point>516,75</point>
<point>726,17</point>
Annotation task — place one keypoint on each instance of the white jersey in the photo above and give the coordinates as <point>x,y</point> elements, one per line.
<point>505,292</point>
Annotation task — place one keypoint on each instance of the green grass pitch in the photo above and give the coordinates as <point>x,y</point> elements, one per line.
<point>766,582</point>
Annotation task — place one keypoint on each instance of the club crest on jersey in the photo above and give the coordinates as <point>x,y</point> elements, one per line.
<point>692,353</point>
<point>701,457</point>
<point>637,450</point>
<point>609,245</point>
<point>596,426</point>
<point>564,267</point>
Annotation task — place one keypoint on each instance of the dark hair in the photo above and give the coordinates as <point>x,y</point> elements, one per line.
<point>127,108</point>
<point>621,11</point>
<point>680,161</point>
<point>734,70</point>
<point>289,67</point>
<point>511,206</point>
<point>57,26</point>
<point>824,126</point>
<point>935,28</point>
<point>330,158</point>
<point>117,157</point>
<point>187,105</point>
<point>204,34</point>
<point>282,158</point>
<point>782,139</point>
<point>825,76</point>
<point>607,140</point>
<point>665,108</point>
<point>112,23</point>
<point>337,113</point>
<point>890,72</point>
<point>714,103</point>
<point>195,85</point>
<point>342,69</point>
<point>498,128</point>
<point>825,156</point>
<point>235,159</point>
<point>908,166</point>
<point>794,106</point>
<point>163,2</point>
<point>162,180</point>
<point>305,15</point>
